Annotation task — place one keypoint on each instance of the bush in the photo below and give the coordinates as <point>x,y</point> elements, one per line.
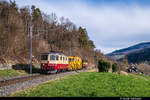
<point>115,67</point>
<point>103,66</point>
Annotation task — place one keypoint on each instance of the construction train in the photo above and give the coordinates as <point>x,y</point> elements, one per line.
<point>55,62</point>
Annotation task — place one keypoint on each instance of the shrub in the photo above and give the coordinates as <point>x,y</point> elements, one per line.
<point>115,67</point>
<point>103,66</point>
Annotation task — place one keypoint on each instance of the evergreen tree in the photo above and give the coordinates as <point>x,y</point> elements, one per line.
<point>83,37</point>
<point>92,44</point>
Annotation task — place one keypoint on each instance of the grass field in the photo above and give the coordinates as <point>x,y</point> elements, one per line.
<point>11,72</point>
<point>92,84</point>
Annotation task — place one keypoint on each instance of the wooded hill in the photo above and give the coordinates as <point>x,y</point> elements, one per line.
<point>49,33</point>
<point>138,53</point>
<point>139,56</point>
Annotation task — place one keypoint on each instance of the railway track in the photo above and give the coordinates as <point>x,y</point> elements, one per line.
<point>12,85</point>
<point>6,82</point>
<point>10,81</point>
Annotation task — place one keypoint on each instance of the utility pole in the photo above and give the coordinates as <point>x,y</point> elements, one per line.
<point>31,45</point>
<point>31,50</point>
<point>71,48</point>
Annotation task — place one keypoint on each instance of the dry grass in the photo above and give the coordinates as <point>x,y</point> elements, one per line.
<point>144,68</point>
<point>123,73</point>
<point>92,70</point>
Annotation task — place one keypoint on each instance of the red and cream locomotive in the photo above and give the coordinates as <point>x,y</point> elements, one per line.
<point>53,62</point>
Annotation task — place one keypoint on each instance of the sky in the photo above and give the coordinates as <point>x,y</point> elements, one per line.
<point>111,24</point>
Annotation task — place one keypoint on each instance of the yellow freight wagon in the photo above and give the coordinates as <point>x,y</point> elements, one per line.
<point>75,63</point>
<point>85,63</point>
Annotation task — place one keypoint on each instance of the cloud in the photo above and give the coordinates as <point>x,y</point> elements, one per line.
<point>109,26</point>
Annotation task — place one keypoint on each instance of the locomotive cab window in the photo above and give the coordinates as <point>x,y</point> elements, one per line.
<point>44,57</point>
<point>70,59</point>
<point>52,57</point>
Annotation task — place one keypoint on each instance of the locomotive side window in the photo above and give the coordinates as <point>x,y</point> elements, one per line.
<point>44,57</point>
<point>60,57</point>
<point>57,58</point>
<point>52,57</point>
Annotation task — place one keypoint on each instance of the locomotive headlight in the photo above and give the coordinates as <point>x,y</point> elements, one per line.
<point>52,67</point>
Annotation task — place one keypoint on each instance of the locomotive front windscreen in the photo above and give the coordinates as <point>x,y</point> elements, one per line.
<point>69,59</point>
<point>44,57</point>
<point>52,57</point>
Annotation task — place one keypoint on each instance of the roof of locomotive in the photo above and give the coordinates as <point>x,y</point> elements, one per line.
<point>55,53</point>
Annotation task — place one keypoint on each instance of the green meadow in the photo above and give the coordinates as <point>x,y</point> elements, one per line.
<point>11,72</point>
<point>92,84</point>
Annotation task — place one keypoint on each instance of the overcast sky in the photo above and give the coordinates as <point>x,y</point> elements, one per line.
<point>111,24</point>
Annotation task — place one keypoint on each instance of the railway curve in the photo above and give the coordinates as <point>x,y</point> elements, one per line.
<point>9,86</point>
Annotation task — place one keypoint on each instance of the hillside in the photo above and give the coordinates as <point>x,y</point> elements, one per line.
<point>133,48</point>
<point>138,48</point>
<point>92,84</point>
<point>50,33</point>
<point>139,56</point>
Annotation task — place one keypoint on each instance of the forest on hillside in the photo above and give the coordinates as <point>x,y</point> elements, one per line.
<point>50,33</point>
<point>140,56</point>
